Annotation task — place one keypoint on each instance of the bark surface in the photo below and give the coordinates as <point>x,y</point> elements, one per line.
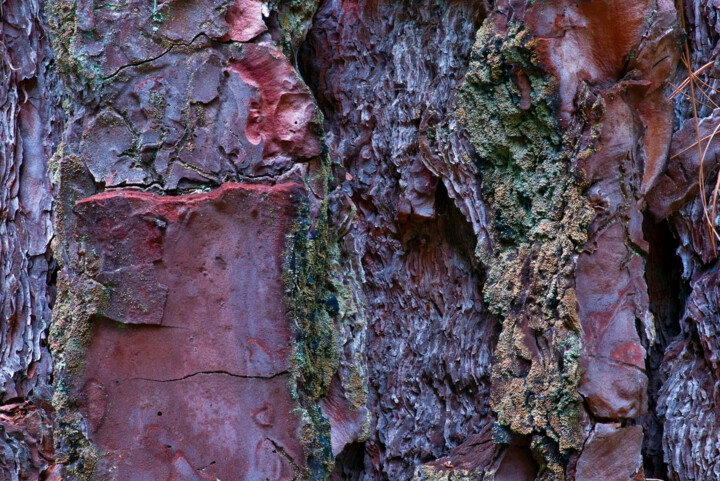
<point>346,240</point>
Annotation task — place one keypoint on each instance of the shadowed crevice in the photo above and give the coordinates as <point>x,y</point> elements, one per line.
<point>667,293</point>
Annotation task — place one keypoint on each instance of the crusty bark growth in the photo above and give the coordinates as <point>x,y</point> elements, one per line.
<point>539,222</point>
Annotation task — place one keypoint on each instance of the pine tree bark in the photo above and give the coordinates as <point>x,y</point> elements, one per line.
<point>332,239</point>
<point>30,120</point>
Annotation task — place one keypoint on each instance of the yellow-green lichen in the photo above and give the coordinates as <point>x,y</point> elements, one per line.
<point>75,68</point>
<point>350,320</point>
<point>431,473</point>
<point>539,221</point>
<point>316,353</point>
<point>79,299</point>
<point>294,17</point>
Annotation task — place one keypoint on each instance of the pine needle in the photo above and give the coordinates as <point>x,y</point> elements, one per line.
<point>696,83</point>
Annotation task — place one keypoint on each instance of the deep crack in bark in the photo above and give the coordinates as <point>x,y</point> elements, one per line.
<point>241,376</point>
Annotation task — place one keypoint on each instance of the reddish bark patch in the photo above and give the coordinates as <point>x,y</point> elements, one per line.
<point>613,453</point>
<point>609,282</point>
<point>284,117</point>
<point>186,377</point>
<point>581,41</point>
<point>245,20</point>
<point>517,465</point>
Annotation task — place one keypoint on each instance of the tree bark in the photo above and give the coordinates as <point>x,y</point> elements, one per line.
<point>30,120</point>
<point>331,239</point>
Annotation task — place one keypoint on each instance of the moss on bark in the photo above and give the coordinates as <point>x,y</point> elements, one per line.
<point>539,223</point>
<point>316,352</point>
<point>80,299</point>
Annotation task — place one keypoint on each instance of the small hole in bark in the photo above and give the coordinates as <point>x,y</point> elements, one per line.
<point>159,413</point>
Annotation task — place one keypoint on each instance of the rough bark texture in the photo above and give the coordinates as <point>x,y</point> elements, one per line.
<point>349,240</point>
<point>408,176</point>
<point>688,401</point>
<point>29,117</point>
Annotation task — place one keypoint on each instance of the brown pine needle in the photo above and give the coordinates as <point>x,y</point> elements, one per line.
<point>690,147</point>
<point>717,184</point>
<point>707,97</point>
<point>701,103</point>
<point>701,174</point>
<point>693,81</point>
<point>693,75</point>
<point>704,83</point>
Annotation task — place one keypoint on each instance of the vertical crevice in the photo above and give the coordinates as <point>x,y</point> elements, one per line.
<point>667,293</point>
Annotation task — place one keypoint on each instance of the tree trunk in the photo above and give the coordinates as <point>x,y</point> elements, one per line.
<point>383,240</point>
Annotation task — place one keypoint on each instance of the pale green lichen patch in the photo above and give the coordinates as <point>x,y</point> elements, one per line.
<point>316,349</point>
<point>351,322</point>
<point>295,18</point>
<point>61,19</point>
<point>75,68</point>
<point>79,299</point>
<point>431,473</point>
<point>321,306</point>
<point>539,221</point>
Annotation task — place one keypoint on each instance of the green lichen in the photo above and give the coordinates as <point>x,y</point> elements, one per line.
<point>61,20</point>
<point>431,473</point>
<point>350,319</point>
<point>315,352</point>
<point>320,304</point>
<point>79,299</point>
<point>79,74</point>
<point>539,221</point>
<point>295,18</point>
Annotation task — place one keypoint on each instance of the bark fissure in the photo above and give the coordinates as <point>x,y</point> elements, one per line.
<point>667,293</point>
<point>225,373</point>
